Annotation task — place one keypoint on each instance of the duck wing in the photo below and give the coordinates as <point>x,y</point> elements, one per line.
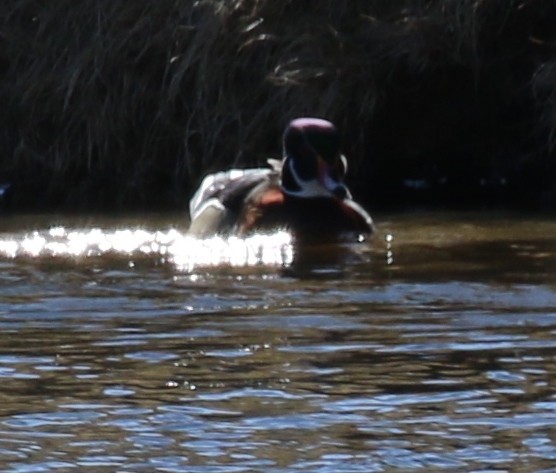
<point>217,203</point>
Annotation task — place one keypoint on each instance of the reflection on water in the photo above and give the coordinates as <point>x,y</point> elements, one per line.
<point>430,348</point>
<point>186,252</point>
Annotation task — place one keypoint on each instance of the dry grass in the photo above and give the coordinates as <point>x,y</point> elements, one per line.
<point>129,103</point>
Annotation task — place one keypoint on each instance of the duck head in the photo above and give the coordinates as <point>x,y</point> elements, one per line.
<point>313,164</point>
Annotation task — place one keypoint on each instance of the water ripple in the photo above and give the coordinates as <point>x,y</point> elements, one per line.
<point>430,348</point>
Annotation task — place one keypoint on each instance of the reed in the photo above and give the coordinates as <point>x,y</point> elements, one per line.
<point>128,104</point>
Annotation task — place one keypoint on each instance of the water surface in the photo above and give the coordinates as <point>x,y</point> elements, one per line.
<point>125,346</point>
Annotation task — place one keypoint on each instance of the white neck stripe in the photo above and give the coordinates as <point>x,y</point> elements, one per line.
<point>311,188</point>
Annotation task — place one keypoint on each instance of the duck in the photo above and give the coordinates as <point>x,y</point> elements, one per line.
<point>303,193</point>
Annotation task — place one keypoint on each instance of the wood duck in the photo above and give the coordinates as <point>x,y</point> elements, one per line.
<point>303,193</point>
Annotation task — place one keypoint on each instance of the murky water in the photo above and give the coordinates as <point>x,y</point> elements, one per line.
<point>125,346</point>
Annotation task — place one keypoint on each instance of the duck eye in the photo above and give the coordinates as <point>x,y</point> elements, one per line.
<point>288,180</point>
<point>306,167</point>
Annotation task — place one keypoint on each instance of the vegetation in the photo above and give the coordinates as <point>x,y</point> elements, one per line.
<point>128,103</point>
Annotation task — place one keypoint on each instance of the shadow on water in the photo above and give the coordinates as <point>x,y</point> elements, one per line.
<point>429,348</point>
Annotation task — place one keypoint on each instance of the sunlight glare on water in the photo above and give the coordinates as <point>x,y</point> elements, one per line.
<point>274,249</point>
<point>184,251</point>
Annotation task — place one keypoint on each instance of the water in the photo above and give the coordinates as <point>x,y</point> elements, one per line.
<point>126,347</point>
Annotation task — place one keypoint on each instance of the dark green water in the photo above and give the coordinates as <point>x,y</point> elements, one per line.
<point>125,347</point>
